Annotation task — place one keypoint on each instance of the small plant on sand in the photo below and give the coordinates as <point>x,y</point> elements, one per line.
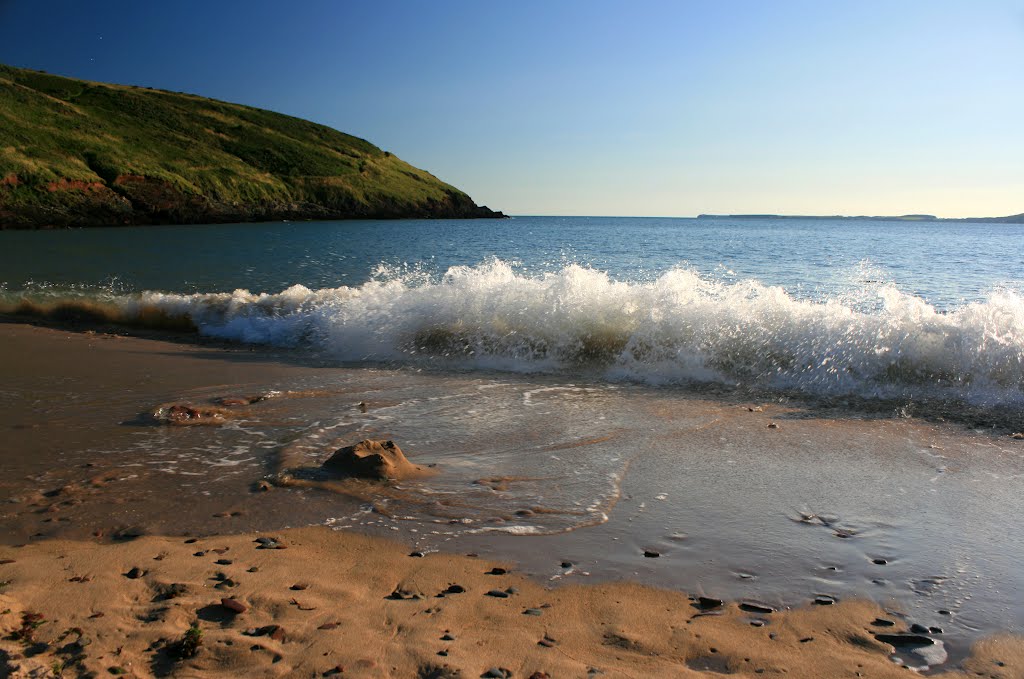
<point>188,645</point>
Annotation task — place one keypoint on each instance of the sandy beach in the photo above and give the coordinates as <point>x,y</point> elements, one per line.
<point>108,561</point>
<point>310,602</point>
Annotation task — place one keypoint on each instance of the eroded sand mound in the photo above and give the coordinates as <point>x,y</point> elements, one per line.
<point>370,459</point>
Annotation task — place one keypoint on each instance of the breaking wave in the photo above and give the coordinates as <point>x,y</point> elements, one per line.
<point>679,328</point>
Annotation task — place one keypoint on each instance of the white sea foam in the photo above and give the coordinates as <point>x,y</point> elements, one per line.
<point>680,327</point>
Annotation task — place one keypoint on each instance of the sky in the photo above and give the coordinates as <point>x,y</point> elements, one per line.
<point>596,107</point>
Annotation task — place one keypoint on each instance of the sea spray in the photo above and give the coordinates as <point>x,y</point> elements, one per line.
<point>678,328</point>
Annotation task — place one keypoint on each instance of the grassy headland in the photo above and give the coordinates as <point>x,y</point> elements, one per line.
<point>80,153</point>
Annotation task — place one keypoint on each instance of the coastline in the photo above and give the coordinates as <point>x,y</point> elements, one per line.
<point>72,404</point>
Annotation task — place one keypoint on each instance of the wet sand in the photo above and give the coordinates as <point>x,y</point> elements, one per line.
<point>90,474</point>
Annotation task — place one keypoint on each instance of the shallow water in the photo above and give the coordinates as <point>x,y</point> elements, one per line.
<point>539,470</point>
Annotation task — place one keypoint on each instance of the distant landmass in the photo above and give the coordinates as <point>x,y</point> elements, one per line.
<point>80,153</point>
<point>1012,219</point>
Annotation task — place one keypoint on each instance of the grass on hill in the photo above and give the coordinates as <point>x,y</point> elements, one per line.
<point>55,129</point>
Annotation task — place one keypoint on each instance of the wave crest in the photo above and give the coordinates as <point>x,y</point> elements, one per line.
<point>680,327</point>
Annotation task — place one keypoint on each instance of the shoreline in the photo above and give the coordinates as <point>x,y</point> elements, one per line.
<point>75,471</point>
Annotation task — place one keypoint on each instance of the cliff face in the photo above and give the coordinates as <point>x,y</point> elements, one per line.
<point>77,153</point>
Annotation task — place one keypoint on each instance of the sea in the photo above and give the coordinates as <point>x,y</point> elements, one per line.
<point>918,311</point>
<point>775,409</point>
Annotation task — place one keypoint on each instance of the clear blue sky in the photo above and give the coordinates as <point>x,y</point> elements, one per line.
<point>604,108</point>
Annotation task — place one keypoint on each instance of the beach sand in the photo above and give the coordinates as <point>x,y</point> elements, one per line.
<point>314,602</point>
<point>106,562</point>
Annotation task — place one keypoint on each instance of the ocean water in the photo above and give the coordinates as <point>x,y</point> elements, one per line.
<point>919,312</point>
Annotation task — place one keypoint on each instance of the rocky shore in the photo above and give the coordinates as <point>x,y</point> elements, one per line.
<point>137,201</point>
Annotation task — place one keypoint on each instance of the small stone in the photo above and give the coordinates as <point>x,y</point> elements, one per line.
<point>651,554</point>
<point>497,673</point>
<point>497,571</point>
<point>234,605</point>
<point>223,562</point>
<point>512,590</point>
<point>879,562</point>
<point>755,607</point>
<point>416,554</point>
<point>540,675</point>
<point>708,603</point>
<point>935,630</point>
<point>263,486</point>
<point>918,629</point>
<point>447,637</point>
<point>498,594</point>
<point>455,589</point>
<point>567,564</point>
<point>757,623</point>
<point>773,425</point>
<point>191,541</point>
<point>882,622</point>
<point>943,611</point>
<point>253,569</point>
<point>532,611</point>
<point>905,639</point>
<point>824,600</point>
<point>135,573</point>
<point>299,586</point>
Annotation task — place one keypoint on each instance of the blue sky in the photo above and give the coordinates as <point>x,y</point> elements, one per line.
<point>604,108</point>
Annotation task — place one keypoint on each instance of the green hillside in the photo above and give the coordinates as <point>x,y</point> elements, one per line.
<point>80,153</point>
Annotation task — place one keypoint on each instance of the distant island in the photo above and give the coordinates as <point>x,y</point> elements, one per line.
<point>81,153</point>
<point>1012,219</point>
